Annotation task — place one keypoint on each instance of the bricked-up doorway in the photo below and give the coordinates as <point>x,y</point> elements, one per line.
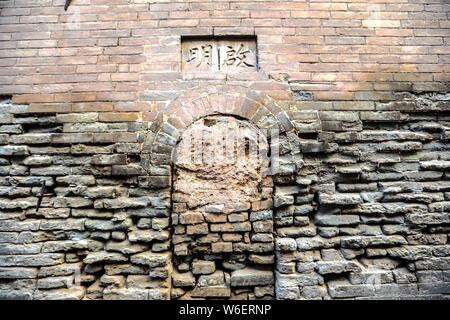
<point>223,245</point>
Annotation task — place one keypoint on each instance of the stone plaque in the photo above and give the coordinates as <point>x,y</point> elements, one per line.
<point>227,55</point>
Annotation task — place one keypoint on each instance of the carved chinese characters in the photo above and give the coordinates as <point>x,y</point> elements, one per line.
<point>231,55</point>
<point>200,55</point>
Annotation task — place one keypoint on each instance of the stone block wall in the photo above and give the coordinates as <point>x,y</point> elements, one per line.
<point>94,103</point>
<point>369,218</point>
<point>79,213</point>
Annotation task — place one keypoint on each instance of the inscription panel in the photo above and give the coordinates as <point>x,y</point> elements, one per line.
<point>226,55</point>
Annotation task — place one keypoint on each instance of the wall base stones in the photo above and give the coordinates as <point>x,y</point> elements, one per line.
<point>357,209</point>
<point>79,217</point>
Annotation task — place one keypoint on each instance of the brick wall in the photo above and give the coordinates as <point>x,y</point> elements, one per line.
<point>99,99</point>
<point>105,56</point>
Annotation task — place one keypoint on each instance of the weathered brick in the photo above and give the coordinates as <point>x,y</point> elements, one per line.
<point>105,160</point>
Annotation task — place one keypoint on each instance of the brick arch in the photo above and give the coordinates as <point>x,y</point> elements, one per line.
<point>232,100</point>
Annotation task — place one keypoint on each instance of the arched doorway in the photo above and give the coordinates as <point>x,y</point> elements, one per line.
<point>223,242</point>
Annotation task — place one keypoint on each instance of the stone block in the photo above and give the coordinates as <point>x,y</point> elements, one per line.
<point>251,277</point>
<point>261,215</point>
<point>231,227</point>
<point>108,159</point>
<point>337,267</point>
<point>54,282</point>
<point>37,161</point>
<point>125,269</point>
<point>336,220</point>
<point>198,229</point>
<point>148,235</point>
<point>211,292</point>
<point>191,217</point>
<point>203,267</point>
<point>296,232</point>
<point>60,294</point>
<point>185,279</point>
<point>128,170</point>
<point>339,199</point>
<point>238,217</point>
<point>262,259</point>
<point>343,289</point>
<point>221,247</point>
<point>151,259</point>
<point>18,273</point>
<point>262,226</point>
<point>38,260</point>
<point>102,257</point>
<point>262,205</point>
<point>14,151</point>
<point>31,138</point>
<point>125,294</point>
<point>362,242</point>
